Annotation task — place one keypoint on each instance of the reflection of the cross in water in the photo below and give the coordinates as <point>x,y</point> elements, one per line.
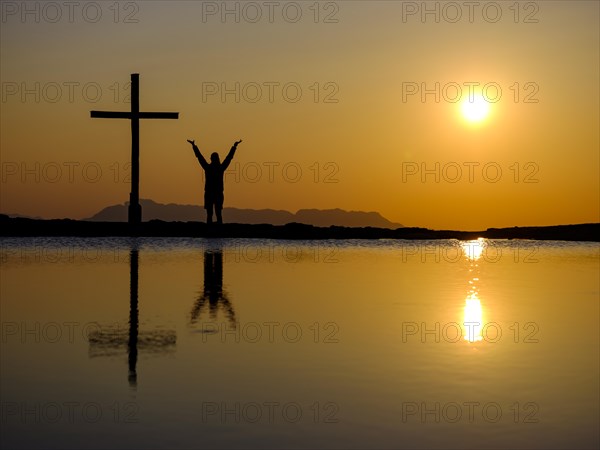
<point>213,294</point>
<point>113,340</point>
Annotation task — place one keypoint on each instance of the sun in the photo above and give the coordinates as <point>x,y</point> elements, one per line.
<point>475,109</point>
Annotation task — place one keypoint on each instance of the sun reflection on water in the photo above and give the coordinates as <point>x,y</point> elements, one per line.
<point>473,311</point>
<point>473,318</point>
<point>473,249</point>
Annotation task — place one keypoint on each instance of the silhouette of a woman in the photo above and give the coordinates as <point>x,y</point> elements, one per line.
<point>213,184</point>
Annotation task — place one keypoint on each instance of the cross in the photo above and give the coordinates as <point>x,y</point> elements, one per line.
<point>135,209</point>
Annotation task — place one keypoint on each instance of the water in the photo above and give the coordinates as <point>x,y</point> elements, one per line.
<point>192,343</point>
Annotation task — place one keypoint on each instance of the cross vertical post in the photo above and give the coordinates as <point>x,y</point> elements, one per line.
<point>135,209</point>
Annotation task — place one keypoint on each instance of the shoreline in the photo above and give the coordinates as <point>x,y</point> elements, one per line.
<point>21,227</point>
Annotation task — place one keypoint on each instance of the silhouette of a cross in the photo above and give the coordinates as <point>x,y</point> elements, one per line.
<point>135,209</point>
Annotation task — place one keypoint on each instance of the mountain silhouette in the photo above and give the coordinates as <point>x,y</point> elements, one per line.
<point>193,213</point>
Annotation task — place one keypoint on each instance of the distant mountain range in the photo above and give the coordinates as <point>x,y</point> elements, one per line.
<point>21,216</point>
<point>193,213</point>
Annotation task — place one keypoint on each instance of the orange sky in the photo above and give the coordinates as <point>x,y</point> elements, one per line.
<point>354,138</point>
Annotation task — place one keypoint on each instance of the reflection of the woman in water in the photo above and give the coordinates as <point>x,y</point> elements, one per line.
<point>213,294</point>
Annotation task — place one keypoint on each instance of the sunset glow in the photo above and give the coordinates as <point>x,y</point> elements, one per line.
<point>325,123</point>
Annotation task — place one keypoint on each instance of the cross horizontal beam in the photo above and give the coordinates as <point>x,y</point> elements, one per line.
<point>129,115</point>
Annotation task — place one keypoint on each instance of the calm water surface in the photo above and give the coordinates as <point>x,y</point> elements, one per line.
<point>192,343</point>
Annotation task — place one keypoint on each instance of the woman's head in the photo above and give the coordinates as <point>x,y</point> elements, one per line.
<point>214,158</point>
